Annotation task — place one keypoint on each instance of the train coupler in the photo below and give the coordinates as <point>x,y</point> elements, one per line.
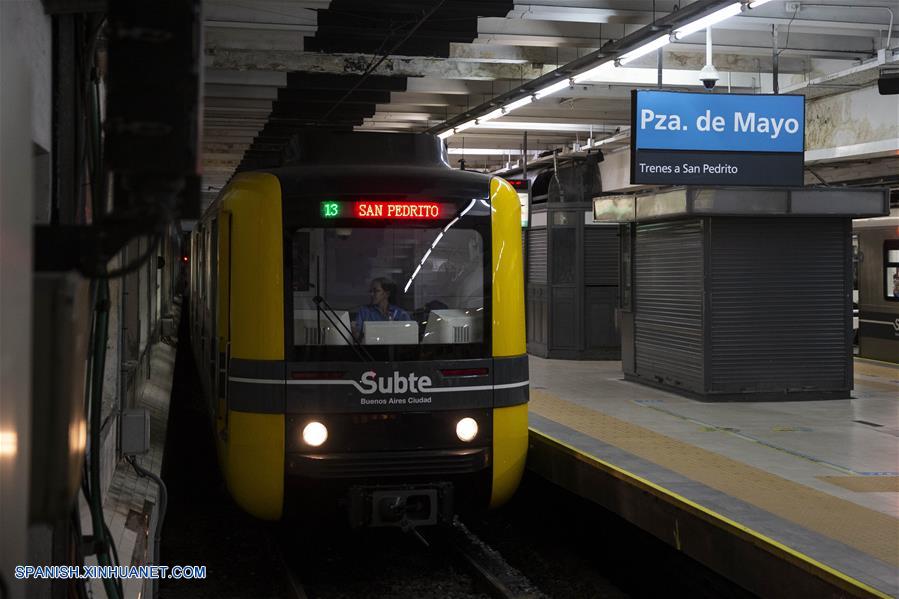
<point>406,507</point>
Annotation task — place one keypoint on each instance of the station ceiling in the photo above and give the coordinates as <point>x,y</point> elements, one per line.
<point>273,66</point>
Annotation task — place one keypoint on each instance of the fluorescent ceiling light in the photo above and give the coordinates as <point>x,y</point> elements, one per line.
<point>550,90</point>
<point>529,126</point>
<point>489,151</point>
<point>518,103</point>
<point>490,116</point>
<point>445,134</point>
<point>466,125</point>
<point>595,72</point>
<point>632,76</point>
<point>757,3</point>
<point>659,42</point>
<point>708,20</point>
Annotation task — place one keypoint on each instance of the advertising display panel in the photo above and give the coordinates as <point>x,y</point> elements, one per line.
<point>681,138</point>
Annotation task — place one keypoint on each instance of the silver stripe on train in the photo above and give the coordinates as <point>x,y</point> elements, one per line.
<point>235,379</point>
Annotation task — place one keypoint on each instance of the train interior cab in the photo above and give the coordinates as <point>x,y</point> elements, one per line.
<point>312,327</point>
<point>390,332</point>
<point>438,276</point>
<point>453,326</point>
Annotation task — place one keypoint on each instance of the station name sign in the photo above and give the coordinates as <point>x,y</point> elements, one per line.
<point>680,138</point>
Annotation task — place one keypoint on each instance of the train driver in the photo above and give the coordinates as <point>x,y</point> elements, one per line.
<point>383,295</point>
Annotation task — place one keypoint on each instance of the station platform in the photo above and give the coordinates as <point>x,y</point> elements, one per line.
<point>784,498</point>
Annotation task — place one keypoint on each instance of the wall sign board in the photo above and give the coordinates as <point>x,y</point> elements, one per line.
<point>681,138</point>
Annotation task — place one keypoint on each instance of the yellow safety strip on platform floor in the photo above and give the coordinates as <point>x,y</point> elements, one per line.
<point>662,491</point>
<point>869,531</point>
<point>865,484</point>
<point>876,368</point>
<point>884,386</point>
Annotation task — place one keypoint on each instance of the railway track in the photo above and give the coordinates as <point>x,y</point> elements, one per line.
<point>480,571</point>
<point>494,574</point>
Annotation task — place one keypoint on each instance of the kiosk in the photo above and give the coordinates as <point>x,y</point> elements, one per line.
<point>739,293</point>
<point>572,267</point>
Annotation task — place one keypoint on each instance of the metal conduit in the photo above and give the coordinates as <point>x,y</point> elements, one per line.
<point>886,8</point>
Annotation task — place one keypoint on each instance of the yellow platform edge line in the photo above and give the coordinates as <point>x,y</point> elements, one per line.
<point>876,362</point>
<point>765,540</point>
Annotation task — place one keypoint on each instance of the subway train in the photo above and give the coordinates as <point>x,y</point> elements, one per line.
<point>877,271</point>
<point>357,318</point>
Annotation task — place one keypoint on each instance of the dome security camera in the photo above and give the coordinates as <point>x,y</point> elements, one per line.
<point>709,76</point>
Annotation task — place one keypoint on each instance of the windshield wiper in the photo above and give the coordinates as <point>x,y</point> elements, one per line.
<point>347,336</point>
<point>334,319</point>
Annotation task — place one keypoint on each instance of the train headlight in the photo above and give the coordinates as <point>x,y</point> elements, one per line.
<point>315,434</point>
<point>467,429</point>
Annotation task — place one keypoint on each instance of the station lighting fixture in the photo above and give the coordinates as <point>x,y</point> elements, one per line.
<point>488,151</point>
<point>466,125</point>
<point>597,72</point>
<point>467,429</point>
<point>659,42</point>
<point>490,116</point>
<point>551,89</point>
<point>594,73</point>
<point>709,20</point>
<point>315,433</point>
<point>529,126</point>
<point>518,103</point>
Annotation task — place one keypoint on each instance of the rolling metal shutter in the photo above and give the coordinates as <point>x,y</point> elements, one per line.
<point>668,270</point>
<point>778,310</point>
<point>601,255</point>
<point>536,256</point>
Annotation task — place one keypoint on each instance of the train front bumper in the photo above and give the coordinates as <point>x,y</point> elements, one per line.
<point>389,488</point>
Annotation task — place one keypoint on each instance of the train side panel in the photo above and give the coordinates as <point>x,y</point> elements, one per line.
<point>510,424</point>
<point>257,267</point>
<point>223,332</point>
<point>253,447</point>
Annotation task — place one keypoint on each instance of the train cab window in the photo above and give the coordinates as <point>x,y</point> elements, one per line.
<point>400,292</point>
<point>891,270</point>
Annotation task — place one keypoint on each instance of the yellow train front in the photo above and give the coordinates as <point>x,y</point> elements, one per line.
<point>358,322</point>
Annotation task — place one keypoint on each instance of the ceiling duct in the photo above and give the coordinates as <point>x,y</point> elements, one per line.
<point>579,180</point>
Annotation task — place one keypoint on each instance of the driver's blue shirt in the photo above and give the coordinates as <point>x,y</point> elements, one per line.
<point>371,312</point>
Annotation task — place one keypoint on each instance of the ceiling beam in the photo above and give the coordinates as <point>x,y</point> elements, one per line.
<point>356,64</point>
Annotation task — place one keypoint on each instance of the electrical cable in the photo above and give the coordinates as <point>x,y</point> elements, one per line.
<point>384,56</point>
<point>160,520</point>
<point>160,215</point>
<point>115,551</point>
<point>789,25</point>
<point>392,29</point>
<point>76,537</point>
<point>886,45</point>
<point>98,361</point>
<point>119,272</point>
<point>556,176</point>
<point>817,176</point>
<point>99,332</point>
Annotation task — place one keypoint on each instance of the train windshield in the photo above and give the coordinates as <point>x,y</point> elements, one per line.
<point>389,293</point>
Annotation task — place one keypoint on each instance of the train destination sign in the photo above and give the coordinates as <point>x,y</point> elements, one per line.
<point>382,210</point>
<point>680,138</point>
